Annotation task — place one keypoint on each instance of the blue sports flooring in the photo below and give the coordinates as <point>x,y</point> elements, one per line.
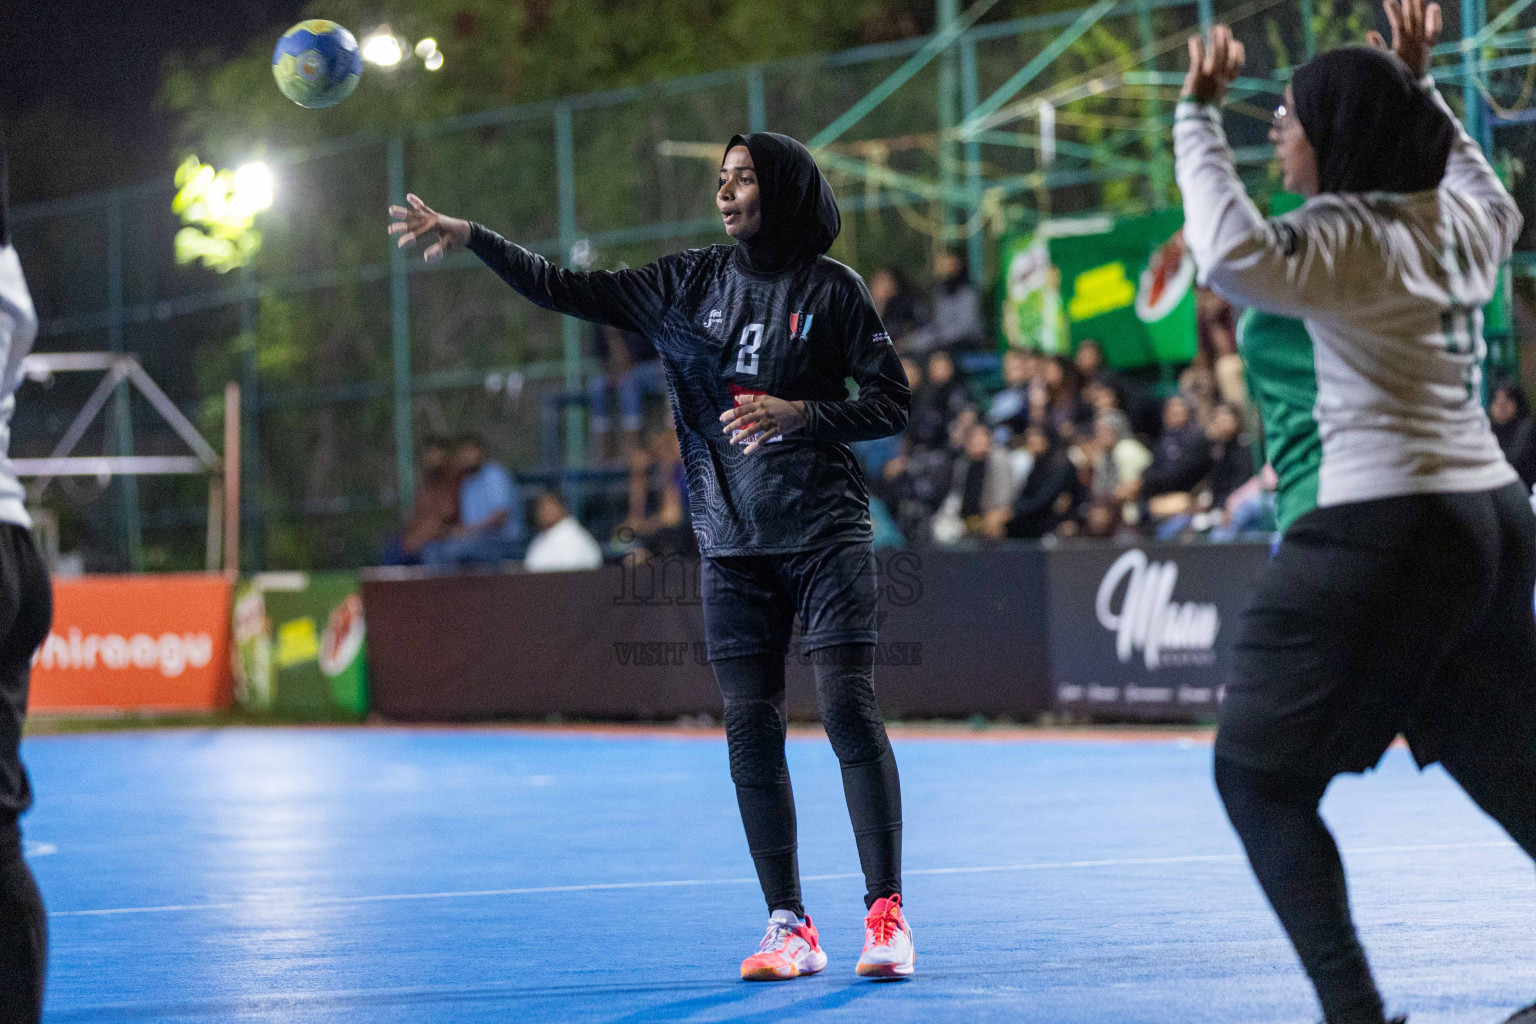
<point>380,875</point>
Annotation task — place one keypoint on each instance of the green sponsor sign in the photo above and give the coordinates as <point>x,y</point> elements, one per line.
<point>300,644</point>
<point>1130,284</point>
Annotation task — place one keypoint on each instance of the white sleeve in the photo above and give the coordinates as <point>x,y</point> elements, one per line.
<point>1468,174</point>
<point>1272,265</point>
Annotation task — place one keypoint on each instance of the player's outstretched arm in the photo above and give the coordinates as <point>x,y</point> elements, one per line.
<point>634,300</point>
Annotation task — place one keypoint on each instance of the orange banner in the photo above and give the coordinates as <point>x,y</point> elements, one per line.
<point>141,643</point>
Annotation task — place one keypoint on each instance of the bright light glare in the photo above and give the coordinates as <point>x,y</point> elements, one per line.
<point>434,60</point>
<point>426,48</point>
<point>253,188</point>
<point>382,49</point>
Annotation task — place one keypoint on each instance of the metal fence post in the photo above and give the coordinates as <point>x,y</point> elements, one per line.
<point>970,95</point>
<point>400,328</point>
<point>1151,112</point>
<point>130,526</point>
<point>757,104</point>
<point>949,114</point>
<point>1473,17</point>
<point>1308,30</point>
<point>1207,16</point>
<point>254,538</point>
<point>570,328</point>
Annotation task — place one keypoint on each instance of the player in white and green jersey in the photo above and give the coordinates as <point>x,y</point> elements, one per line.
<point>1399,600</point>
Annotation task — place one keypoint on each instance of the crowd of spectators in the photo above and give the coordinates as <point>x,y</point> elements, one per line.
<point>1057,446</point>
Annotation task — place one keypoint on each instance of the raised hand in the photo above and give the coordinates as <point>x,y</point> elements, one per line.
<point>1415,30</point>
<point>418,220</point>
<point>1213,68</point>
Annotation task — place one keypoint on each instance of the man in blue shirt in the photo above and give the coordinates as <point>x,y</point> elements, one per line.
<point>490,527</point>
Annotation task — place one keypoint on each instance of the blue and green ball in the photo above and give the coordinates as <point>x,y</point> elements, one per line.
<point>317,63</point>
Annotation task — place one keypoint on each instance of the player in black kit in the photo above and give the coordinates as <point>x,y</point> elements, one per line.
<point>758,340</point>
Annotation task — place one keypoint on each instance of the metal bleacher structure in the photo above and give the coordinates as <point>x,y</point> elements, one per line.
<point>347,352</point>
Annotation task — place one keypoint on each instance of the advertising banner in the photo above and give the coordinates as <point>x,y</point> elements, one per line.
<point>1130,284</point>
<point>136,643</point>
<point>299,640</point>
<point>1146,631</point>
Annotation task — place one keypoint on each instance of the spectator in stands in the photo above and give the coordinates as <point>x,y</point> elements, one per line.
<point>437,504</point>
<point>896,303</point>
<point>1510,412</point>
<point>1101,520</point>
<point>956,319</point>
<point>1010,407</point>
<point>1064,407</point>
<point>632,369</point>
<point>1197,384</point>
<point>562,544</point>
<point>658,499</point>
<point>1050,494</point>
<point>978,504</point>
<point>1180,460</point>
<point>936,402</point>
<point>1231,457</point>
<point>1119,459</point>
<point>490,527</point>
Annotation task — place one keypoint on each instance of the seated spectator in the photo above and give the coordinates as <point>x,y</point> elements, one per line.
<point>1064,407</point>
<point>658,520</point>
<point>978,504</point>
<point>936,402</point>
<point>1231,457</point>
<point>490,527</point>
<point>1510,413</point>
<point>895,303</point>
<point>956,319</point>
<point>1094,373</point>
<point>1198,386</point>
<point>1119,459</point>
<point>437,504</point>
<point>1010,408</point>
<point>562,544</point>
<point>1050,494</point>
<point>1101,520</point>
<point>631,368</point>
<point>1181,456</point>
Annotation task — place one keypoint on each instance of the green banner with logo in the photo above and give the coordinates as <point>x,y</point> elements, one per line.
<point>1129,284</point>
<point>300,642</point>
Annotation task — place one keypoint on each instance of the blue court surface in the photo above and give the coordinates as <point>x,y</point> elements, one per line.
<point>383,875</point>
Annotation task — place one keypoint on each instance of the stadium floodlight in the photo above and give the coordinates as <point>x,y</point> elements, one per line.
<point>383,49</point>
<point>434,60</point>
<point>426,48</point>
<point>253,188</point>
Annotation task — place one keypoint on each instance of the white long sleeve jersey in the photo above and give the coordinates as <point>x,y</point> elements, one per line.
<point>1390,288</point>
<point>18,329</point>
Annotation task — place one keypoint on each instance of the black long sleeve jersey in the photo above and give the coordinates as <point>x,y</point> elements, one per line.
<point>727,335</point>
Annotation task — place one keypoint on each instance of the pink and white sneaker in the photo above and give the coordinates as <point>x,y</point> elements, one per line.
<point>888,951</point>
<point>789,949</point>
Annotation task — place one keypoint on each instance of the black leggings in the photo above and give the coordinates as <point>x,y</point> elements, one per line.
<point>756,714</point>
<point>23,935</point>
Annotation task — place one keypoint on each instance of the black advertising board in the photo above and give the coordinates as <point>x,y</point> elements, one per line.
<point>1146,631</point>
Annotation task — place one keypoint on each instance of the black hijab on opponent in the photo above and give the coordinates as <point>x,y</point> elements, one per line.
<point>1373,127</point>
<point>799,213</point>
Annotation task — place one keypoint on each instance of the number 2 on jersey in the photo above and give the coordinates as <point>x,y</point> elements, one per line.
<point>751,341</point>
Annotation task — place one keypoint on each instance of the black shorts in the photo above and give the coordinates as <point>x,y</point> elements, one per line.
<point>1408,616</point>
<point>26,612</point>
<point>751,601</point>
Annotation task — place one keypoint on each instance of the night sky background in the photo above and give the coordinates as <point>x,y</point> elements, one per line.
<point>84,74</point>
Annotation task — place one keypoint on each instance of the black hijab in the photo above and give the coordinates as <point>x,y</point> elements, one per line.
<point>5,199</point>
<point>800,218</point>
<point>1373,127</point>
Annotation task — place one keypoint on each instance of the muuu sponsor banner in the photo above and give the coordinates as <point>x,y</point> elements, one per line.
<point>136,643</point>
<point>1146,631</point>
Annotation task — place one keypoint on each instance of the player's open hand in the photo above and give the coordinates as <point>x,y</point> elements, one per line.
<point>1415,30</point>
<point>759,421</point>
<point>418,220</point>
<point>1213,68</point>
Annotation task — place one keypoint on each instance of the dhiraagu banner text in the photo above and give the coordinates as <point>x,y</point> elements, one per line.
<point>1130,285</point>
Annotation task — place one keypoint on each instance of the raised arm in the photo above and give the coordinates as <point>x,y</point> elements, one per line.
<point>634,300</point>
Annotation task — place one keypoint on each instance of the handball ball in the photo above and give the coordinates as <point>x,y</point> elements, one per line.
<point>317,63</point>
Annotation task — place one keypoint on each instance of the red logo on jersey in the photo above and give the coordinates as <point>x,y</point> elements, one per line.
<point>800,325</point>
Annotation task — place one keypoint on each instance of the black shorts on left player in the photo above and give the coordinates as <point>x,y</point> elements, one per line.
<point>750,605</point>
